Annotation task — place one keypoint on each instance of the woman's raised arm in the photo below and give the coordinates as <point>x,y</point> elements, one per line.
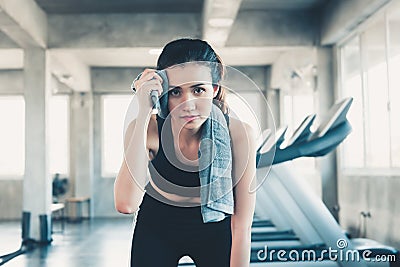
<point>132,177</point>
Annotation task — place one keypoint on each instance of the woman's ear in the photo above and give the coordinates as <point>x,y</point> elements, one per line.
<point>216,88</point>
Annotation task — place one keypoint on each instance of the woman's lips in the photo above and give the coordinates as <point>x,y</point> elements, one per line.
<point>190,118</point>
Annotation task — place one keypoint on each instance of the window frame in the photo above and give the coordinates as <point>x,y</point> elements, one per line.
<point>68,144</point>
<point>103,173</point>
<point>359,33</point>
<point>14,176</point>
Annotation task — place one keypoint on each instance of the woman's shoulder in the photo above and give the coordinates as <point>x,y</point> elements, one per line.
<point>239,129</point>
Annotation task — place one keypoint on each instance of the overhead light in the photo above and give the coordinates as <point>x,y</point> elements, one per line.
<point>220,22</point>
<point>155,51</point>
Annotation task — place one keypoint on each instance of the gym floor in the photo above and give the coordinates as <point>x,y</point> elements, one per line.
<point>96,242</point>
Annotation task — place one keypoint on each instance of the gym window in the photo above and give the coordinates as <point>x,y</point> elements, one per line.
<point>368,66</point>
<point>246,106</point>
<point>59,134</point>
<point>296,106</point>
<point>12,137</point>
<point>114,108</point>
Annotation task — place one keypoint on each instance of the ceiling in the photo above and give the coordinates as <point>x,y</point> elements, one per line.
<point>80,34</point>
<point>164,6</point>
<point>119,6</point>
<point>282,4</point>
<point>137,55</point>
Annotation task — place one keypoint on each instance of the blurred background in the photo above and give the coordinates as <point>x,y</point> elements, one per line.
<point>65,72</point>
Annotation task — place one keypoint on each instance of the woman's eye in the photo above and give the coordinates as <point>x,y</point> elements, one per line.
<point>174,92</point>
<point>199,90</point>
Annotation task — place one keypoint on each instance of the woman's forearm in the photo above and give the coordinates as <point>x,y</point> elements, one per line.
<point>136,153</point>
<point>241,248</point>
<point>132,177</point>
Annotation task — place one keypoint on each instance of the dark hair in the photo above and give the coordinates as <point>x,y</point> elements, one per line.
<point>190,50</point>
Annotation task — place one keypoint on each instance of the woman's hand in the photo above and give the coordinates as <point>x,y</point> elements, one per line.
<point>148,81</point>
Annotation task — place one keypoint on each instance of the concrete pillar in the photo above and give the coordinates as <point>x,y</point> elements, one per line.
<point>273,97</point>
<point>81,144</point>
<point>37,192</point>
<point>326,98</point>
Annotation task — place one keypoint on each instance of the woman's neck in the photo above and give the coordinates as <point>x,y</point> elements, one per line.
<point>186,144</point>
<point>186,137</point>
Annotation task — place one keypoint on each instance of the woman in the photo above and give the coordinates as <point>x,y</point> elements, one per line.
<point>172,224</point>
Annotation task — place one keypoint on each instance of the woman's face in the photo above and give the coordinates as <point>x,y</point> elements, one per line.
<point>190,94</point>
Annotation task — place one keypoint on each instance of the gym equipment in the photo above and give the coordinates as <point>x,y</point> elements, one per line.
<point>306,217</point>
<point>331,132</point>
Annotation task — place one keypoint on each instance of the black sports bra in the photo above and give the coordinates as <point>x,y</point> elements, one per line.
<point>167,172</point>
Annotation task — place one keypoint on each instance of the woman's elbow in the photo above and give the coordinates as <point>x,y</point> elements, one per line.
<point>125,208</point>
<point>127,202</point>
<point>126,199</point>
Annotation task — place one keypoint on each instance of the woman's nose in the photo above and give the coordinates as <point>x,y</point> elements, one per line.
<point>188,102</point>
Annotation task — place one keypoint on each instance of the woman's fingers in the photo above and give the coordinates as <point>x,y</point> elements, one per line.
<point>148,81</point>
<point>149,74</point>
<point>148,78</point>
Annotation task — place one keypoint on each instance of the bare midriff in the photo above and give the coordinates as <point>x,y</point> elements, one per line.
<point>175,197</point>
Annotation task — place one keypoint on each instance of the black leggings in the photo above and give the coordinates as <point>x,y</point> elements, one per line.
<point>164,233</point>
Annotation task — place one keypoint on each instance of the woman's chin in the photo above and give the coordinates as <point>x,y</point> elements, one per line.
<point>193,124</point>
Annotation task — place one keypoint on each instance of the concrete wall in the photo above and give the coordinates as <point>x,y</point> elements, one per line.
<point>120,30</point>
<point>377,195</point>
<point>283,28</point>
<point>6,42</point>
<point>11,193</point>
<point>11,82</point>
<point>113,80</point>
<point>340,17</point>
